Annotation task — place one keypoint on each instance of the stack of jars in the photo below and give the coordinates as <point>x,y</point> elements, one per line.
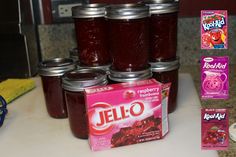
<point>126,41</point>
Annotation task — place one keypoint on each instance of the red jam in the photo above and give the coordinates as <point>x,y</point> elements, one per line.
<point>74,83</point>
<point>51,72</point>
<point>128,36</point>
<point>163,31</point>
<point>90,27</point>
<point>167,72</point>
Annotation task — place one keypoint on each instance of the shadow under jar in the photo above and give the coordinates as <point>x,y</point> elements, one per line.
<point>51,72</point>
<point>128,33</point>
<point>121,77</point>
<point>163,29</point>
<point>74,84</point>
<point>91,34</point>
<point>167,72</point>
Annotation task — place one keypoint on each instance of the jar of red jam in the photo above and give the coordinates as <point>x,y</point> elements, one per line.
<point>91,34</point>
<point>163,29</point>
<point>128,31</point>
<point>51,72</point>
<point>120,77</point>
<point>166,72</point>
<point>74,83</point>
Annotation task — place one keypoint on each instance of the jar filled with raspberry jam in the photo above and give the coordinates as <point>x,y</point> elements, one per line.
<point>91,34</point>
<point>128,33</point>
<point>51,72</point>
<point>121,77</point>
<point>167,72</point>
<point>163,29</point>
<point>74,84</point>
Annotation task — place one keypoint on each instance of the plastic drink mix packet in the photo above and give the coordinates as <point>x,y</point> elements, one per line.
<point>127,113</point>
<point>214,25</point>
<point>215,129</point>
<point>214,77</point>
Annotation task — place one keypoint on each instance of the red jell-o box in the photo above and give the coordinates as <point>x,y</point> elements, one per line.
<point>215,129</point>
<point>127,113</point>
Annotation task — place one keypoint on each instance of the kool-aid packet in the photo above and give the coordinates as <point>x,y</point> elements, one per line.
<point>214,25</point>
<point>215,132</point>
<point>214,77</point>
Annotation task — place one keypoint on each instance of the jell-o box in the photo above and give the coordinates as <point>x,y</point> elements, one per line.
<point>214,29</point>
<point>127,113</point>
<point>215,129</point>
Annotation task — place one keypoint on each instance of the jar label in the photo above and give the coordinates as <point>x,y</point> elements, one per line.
<point>214,77</point>
<point>215,133</point>
<point>127,113</point>
<point>214,26</point>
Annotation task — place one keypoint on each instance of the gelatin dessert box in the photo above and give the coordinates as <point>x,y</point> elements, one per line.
<point>214,77</point>
<point>127,113</point>
<point>215,129</point>
<point>214,25</point>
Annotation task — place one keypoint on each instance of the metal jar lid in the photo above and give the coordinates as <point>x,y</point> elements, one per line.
<point>162,6</point>
<point>102,67</point>
<point>165,66</point>
<point>127,11</point>
<point>79,79</point>
<point>56,66</point>
<point>89,10</point>
<point>119,76</point>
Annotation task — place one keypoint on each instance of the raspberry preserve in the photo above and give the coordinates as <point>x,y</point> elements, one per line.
<point>74,84</point>
<point>90,28</point>
<point>128,31</point>
<point>166,72</point>
<point>51,72</point>
<point>119,77</point>
<point>163,29</point>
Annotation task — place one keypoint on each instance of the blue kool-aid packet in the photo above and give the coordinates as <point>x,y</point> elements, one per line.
<point>3,110</point>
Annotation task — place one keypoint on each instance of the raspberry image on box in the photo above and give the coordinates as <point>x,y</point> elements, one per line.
<point>127,113</point>
<point>214,25</point>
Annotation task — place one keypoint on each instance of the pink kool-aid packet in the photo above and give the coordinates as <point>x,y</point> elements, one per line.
<point>214,25</point>
<point>214,77</point>
<point>127,113</point>
<point>215,133</point>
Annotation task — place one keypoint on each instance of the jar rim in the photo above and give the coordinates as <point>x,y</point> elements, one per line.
<point>56,66</point>
<point>162,8</point>
<point>127,11</point>
<point>119,76</point>
<point>165,66</point>
<point>71,80</point>
<point>89,10</point>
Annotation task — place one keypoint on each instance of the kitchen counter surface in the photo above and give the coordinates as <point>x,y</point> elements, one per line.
<point>230,104</point>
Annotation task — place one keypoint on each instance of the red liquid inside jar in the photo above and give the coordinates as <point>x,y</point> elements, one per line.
<point>92,41</point>
<point>163,36</point>
<point>74,83</point>
<point>129,44</point>
<point>77,113</point>
<point>54,97</point>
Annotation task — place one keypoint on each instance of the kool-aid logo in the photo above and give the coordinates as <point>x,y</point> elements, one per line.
<point>103,116</point>
<point>215,116</point>
<point>208,65</point>
<point>219,23</point>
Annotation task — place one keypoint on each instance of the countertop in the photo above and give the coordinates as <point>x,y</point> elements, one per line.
<point>230,103</point>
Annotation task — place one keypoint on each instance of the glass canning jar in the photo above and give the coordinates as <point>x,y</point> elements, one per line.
<point>74,83</point>
<point>163,29</point>
<point>91,34</point>
<point>128,33</point>
<point>166,72</point>
<point>51,72</point>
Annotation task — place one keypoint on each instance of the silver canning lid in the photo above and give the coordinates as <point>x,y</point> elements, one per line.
<point>102,67</point>
<point>165,66</point>
<point>79,79</point>
<point>56,66</point>
<point>119,76</point>
<point>127,11</point>
<point>89,10</point>
<point>156,7</point>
